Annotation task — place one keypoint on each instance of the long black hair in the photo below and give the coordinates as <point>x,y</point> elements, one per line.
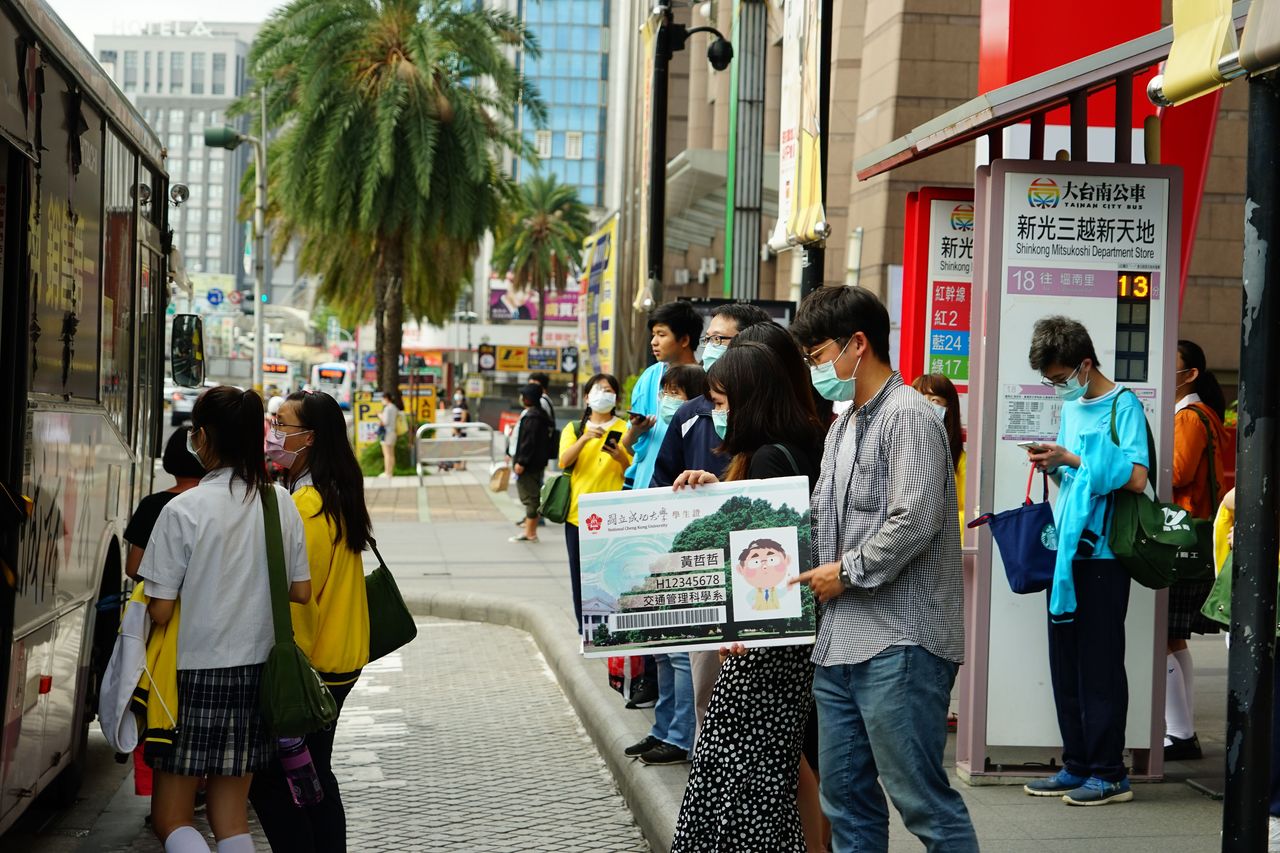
<point>334,471</point>
<point>232,422</point>
<point>1206,384</point>
<point>769,401</point>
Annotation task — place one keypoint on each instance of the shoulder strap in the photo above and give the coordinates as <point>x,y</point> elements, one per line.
<point>382,564</point>
<point>1213,454</point>
<point>787,452</point>
<point>276,577</point>
<point>1153,463</point>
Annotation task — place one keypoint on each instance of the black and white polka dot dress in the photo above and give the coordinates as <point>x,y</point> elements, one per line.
<point>742,789</point>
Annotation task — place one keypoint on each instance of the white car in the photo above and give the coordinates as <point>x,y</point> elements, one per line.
<point>181,400</point>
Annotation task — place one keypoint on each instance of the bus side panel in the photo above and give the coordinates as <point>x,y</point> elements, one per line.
<point>24,712</point>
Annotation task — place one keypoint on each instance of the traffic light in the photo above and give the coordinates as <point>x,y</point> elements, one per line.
<point>266,297</point>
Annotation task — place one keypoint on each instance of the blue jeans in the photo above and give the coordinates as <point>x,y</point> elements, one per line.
<point>884,721</point>
<point>674,715</point>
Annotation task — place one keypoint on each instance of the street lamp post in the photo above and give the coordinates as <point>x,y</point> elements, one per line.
<point>231,139</point>
<point>670,39</point>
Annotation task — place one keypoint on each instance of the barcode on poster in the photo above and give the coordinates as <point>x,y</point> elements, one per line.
<point>666,618</point>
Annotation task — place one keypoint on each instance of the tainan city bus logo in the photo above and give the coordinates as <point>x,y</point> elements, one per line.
<point>962,217</point>
<point>1044,192</point>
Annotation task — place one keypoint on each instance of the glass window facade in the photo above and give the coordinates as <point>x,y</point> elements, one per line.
<point>570,75</point>
<point>218,78</point>
<point>130,71</point>
<point>197,73</point>
<point>177,70</point>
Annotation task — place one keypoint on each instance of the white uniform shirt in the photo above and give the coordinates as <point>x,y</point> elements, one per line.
<point>209,550</point>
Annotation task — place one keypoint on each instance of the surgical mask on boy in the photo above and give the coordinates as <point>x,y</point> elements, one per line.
<point>831,386</point>
<point>602,401</point>
<point>711,354</point>
<point>720,419</point>
<point>1071,390</point>
<point>667,408</point>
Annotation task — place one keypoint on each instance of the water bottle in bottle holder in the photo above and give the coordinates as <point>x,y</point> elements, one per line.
<point>300,772</point>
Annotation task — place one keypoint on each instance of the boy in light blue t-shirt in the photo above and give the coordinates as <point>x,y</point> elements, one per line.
<point>1090,597</point>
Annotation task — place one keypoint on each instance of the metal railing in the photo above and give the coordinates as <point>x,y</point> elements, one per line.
<point>453,442</point>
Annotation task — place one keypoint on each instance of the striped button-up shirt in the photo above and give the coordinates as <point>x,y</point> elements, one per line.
<point>885,506</point>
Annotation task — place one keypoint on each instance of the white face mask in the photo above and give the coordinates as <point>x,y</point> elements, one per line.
<point>602,401</point>
<point>939,410</point>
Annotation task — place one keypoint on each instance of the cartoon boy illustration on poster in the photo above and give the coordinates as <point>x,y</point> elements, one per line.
<point>763,560</point>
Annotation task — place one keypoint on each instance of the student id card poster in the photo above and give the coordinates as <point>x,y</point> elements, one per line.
<point>695,569</point>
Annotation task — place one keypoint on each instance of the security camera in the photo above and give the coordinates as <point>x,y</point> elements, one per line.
<point>720,54</point>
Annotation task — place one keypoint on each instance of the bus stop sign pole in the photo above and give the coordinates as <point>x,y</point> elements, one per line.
<point>1251,667</point>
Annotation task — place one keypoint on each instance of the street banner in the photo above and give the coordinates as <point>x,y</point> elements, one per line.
<point>696,569</point>
<point>600,269</point>
<point>507,303</point>
<point>367,411</point>
<point>800,210</point>
<point>649,31</point>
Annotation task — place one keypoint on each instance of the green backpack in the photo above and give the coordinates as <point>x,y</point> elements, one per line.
<point>556,496</point>
<point>1146,535</point>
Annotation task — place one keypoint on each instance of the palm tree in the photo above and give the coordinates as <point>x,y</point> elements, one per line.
<point>395,114</point>
<point>540,241</point>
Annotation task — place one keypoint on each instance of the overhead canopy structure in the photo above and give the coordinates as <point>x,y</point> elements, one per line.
<point>1031,99</point>
<point>697,194</point>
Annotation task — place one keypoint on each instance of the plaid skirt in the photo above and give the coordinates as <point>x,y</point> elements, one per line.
<point>1185,618</point>
<point>220,730</point>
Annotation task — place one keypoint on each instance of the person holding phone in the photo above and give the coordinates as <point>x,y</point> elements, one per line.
<point>598,463</point>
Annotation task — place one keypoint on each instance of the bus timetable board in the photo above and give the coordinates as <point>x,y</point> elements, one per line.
<point>1098,243</point>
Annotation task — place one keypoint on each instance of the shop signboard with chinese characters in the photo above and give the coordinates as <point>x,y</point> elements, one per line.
<point>1097,243</point>
<point>693,570</point>
<point>937,297</point>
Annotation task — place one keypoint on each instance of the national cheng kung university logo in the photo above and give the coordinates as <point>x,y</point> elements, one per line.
<point>1044,193</point>
<point>962,217</point>
<point>594,522</point>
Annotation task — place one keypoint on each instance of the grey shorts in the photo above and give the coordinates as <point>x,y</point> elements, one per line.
<point>529,488</point>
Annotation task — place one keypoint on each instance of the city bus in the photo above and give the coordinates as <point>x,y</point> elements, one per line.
<point>277,376</point>
<point>335,378</point>
<point>84,238</point>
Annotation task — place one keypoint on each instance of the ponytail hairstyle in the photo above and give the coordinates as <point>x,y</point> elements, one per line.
<point>1206,384</point>
<point>232,421</point>
<point>334,471</point>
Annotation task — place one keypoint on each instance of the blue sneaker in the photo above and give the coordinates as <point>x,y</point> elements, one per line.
<point>1055,785</point>
<point>1096,792</point>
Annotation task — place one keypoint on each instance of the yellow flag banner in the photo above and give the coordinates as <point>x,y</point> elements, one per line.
<point>1203,32</point>
<point>800,209</point>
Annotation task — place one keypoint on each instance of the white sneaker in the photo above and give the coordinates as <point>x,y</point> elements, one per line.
<point>1273,844</point>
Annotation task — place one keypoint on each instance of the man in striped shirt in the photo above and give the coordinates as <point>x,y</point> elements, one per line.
<point>887,556</point>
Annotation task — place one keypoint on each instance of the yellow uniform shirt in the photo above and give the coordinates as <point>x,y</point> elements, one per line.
<point>961,472</point>
<point>595,470</point>
<point>333,627</point>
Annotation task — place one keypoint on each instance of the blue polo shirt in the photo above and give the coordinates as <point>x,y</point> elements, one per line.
<point>645,401</point>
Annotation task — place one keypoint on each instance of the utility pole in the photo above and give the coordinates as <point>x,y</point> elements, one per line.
<point>1251,661</point>
<point>669,39</point>
<point>260,248</point>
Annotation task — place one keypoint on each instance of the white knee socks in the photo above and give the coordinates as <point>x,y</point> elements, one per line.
<point>185,839</point>
<point>236,844</point>
<point>1188,683</point>
<point>1177,710</point>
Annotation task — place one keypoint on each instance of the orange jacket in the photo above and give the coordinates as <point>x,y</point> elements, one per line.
<point>1191,489</point>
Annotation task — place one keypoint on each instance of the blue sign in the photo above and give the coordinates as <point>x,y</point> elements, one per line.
<point>371,361</point>
<point>214,296</point>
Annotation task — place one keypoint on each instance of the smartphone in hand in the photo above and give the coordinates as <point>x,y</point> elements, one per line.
<point>1033,446</point>
<point>611,440</point>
